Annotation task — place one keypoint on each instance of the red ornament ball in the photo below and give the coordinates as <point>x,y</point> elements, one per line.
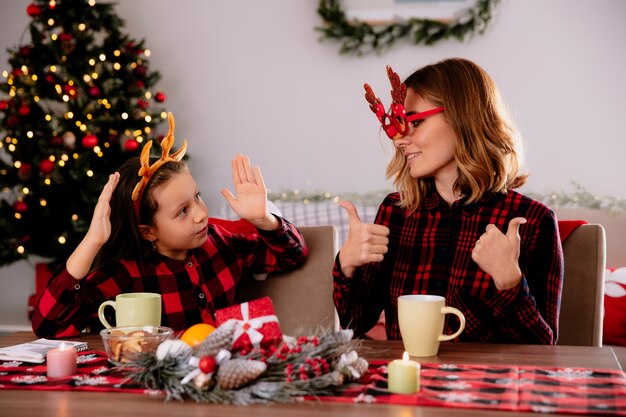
<point>207,364</point>
<point>56,141</point>
<point>24,110</point>
<point>140,71</point>
<point>20,206</point>
<point>70,90</point>
<point>94,91</point>
<point>89,141</point>
<point>4,105</point>
<point>160,97</point>
<point>12,121</point>
<point>131,145</point>
<point>46,166</point>
<point>24,171</point>
<point>143,104</point>
<point>33,10</point>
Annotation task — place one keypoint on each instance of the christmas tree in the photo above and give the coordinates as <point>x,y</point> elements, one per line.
<point>76,102</point>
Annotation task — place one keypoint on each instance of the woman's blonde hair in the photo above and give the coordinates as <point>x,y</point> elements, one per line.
<point>488,151</point>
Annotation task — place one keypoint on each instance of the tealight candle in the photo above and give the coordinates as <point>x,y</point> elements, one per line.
<point>403,375</point>
<point>61,362</point>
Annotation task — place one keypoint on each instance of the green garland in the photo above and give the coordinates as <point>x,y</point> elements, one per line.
<point>359,38</point>
<point>579,198</point>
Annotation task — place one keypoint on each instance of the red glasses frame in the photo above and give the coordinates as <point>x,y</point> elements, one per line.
<point>395,123</point>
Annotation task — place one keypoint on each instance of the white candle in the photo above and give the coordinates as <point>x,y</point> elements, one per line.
<point>61,362</point>
<point>403,375</point>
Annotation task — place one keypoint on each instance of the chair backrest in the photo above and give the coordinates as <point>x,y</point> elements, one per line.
<point>302,298</point>
<point>584,255</point>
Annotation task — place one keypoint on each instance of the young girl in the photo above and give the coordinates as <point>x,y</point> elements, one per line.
<point>149,233</point>
<point>455,227</point>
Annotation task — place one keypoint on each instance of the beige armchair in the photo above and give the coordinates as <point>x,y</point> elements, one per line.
<point>302,298</point>
<point>584,254</point>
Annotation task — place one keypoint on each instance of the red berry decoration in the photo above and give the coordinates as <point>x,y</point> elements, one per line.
<point>131,145</point>
<point>20,206</point>
<point>207,364</point>
<point>46,166</point>
<point>160,97</point>
<point>33,10</point>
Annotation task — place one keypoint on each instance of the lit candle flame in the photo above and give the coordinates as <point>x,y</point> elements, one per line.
<point>405,356</point>
<point>62,347</point>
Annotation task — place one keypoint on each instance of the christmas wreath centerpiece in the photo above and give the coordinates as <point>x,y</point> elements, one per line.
<point>245,361</point>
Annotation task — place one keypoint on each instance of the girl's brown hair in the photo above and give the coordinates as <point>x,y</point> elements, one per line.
<point>126,241</point>
<point>487,152</point>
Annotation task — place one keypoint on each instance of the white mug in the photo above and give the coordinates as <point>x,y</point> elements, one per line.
<point>421,318</point>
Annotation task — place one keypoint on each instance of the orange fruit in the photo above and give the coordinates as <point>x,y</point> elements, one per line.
<point>197,333</point>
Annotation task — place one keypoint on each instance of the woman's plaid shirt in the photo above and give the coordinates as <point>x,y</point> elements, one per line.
<point>430,253</point>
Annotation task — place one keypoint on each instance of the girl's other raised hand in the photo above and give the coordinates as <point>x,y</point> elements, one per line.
<point>250,202</point>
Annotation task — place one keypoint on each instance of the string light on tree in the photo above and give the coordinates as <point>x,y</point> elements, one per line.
<point>64,111</point>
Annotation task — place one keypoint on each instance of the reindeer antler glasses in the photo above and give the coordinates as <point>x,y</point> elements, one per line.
<point>396,122</point>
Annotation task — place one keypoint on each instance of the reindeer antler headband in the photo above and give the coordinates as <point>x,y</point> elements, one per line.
<point>146,171</point>
<point>396,122</point>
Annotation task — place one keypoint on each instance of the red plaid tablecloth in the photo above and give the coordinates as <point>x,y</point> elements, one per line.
<point>94,374</point>
<point>513,388</point>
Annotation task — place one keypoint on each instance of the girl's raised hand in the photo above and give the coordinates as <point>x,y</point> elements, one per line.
<point>80,260</point>
<point>100,227</point>
<point>250,202</point>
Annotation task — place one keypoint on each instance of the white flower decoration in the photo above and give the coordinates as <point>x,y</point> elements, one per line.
<point>612,281</point>
<point>172,347</point>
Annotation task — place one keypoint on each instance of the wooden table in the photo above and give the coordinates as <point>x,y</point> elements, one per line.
<point>68,404</point>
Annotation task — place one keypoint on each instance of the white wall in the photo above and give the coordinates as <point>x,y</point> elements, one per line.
<point>252,77</point>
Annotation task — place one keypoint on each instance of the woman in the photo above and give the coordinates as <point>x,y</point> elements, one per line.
<point>455,227</point>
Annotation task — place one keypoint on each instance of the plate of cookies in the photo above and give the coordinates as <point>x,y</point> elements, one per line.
<point>123,344</point>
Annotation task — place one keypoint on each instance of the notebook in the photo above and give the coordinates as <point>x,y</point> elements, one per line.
<point>36,351</point>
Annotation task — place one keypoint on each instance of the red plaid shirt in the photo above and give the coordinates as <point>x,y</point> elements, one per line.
<point>430,253</point>
<point>191,290</point>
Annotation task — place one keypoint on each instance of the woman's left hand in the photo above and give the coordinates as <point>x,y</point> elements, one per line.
<point>251,200</point>
<point>497,254</point>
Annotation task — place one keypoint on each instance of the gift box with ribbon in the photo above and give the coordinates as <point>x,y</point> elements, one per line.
<point>257,324</point>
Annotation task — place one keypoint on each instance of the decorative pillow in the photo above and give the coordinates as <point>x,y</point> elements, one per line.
<point>614,326</point>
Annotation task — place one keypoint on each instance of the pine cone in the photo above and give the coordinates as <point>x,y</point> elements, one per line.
<point>221,338</point>
<point>236,373</point>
